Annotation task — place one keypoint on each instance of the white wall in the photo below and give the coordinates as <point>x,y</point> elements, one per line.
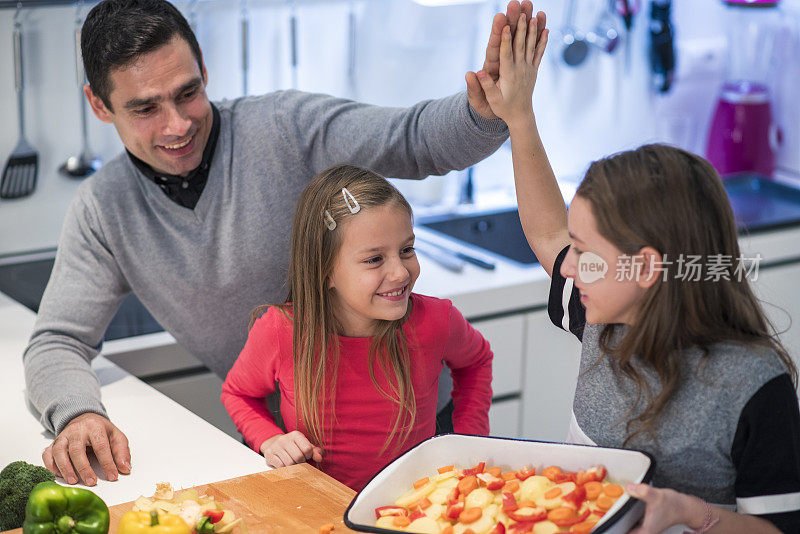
<point>405,52</point>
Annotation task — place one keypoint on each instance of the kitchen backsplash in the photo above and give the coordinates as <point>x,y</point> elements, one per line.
<point>400,52</point>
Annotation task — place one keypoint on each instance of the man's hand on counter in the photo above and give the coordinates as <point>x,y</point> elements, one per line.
<point>68,452</point>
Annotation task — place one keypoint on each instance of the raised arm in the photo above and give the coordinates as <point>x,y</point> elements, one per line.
<point>541,206</point>
<point>432,137</point>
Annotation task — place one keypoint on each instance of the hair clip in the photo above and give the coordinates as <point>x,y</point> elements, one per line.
<point>329,222</point>
<point>353,209</point>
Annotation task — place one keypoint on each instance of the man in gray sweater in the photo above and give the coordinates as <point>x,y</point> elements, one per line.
<point>195,216</point>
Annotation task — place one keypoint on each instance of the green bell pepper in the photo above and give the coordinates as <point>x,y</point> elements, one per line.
<point>54,509</point>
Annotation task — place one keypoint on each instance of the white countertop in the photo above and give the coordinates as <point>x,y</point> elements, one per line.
<point>168,442</point>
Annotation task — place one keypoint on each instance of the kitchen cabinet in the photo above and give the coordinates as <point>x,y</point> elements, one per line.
<point>552,358</point>
<point>778,286</point>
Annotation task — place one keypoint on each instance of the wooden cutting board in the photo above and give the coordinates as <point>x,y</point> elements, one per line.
<point>289,500</point>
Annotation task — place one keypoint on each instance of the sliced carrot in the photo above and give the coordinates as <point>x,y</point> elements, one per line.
<point>560,514</point>
<point>512,486</point>
<point>508,475</point>
<point>495,471</point>
<point>613,490</point>
<point>551,472</point>
<point>467,484</point>
<point>446,469</point>
<point>593,490</point>
<point>553,493</point>
<point>326,528</point>
<point>583,528</point>
<point>468,531</point>
<point>604,502</point>
<point>470,515</point>
<point>447,530</point>
<point>421,482</point>
<point>401,521</point>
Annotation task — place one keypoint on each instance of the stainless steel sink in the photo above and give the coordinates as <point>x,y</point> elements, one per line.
<point>499,232</point>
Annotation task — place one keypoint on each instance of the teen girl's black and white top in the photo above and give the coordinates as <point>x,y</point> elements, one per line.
<point>730,434</point>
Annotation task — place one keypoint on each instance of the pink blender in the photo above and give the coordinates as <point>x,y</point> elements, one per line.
<point>743,136</point>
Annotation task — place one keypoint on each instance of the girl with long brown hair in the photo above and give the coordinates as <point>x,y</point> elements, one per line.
<point>357,355</point>
<point>678,357</point>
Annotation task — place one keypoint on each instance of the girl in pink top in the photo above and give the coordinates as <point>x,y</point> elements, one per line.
<point>357,355</point>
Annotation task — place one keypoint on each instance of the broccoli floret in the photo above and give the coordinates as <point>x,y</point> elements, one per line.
<point>17,480</point>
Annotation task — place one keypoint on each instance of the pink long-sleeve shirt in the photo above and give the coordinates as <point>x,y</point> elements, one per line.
<point>437,335</point>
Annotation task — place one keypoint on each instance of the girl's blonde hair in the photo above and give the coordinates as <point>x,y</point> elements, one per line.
<point>315,346</point>
<point>674,201</point>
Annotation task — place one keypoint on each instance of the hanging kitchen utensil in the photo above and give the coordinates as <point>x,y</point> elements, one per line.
<point>574,48</point>
<point>605,34</point>
<point>245,24</point>
<point>85,163</point>
<point>662,45</point>
<point>19,174</point>
<point>627,9</point>
<point>293,41</point>
<point>351,50</point>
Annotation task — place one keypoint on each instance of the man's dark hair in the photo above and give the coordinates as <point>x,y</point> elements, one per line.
<point>118,32</point>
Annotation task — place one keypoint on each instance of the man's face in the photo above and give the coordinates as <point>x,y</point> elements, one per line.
<point>160,108</point>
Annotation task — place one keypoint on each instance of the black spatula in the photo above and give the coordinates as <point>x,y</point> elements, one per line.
<point>19,174</point>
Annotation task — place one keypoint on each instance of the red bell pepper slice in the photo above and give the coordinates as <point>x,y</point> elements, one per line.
<point>593,474</point>
<point>560,478</point>
<point>525,473</point>
<point>416,514</point>
<point>490,481</point>
<point>509,502</point>
<point>454,510</point>
<point>528,514</point>
<point>576,496</point>
<point>384,511</point>
<point>499,528</point>
<point>214,515</point>
<point>452,497</point>
<point>474,470</point>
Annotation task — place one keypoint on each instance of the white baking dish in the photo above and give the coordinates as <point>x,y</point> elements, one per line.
<point>465,451</point>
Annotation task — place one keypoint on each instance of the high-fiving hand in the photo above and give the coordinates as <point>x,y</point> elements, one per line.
<point>491,65</point>
<point>509,97</point>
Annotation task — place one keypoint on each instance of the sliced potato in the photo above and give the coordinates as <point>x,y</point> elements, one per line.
<point>481,526</point>
<point>435,510</point>
<point>415,495</point>
<point>479,498</point>
<point>444,476</point>
<point>188,495</point>
<point>424,525</point>
<point>545,527</point>
<point>385,522</point>
<point>533,488</point>
<point>143,504</point>
<point>549,504</point>
<point>227,528</point>
<point>448,483</point>
<point>439,495</point>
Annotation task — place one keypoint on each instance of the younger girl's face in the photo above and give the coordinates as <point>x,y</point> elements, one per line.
<point>609,297</point>
<point>375,269</point>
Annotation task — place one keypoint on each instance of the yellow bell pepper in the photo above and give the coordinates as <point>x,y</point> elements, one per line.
<point>152,523</point>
